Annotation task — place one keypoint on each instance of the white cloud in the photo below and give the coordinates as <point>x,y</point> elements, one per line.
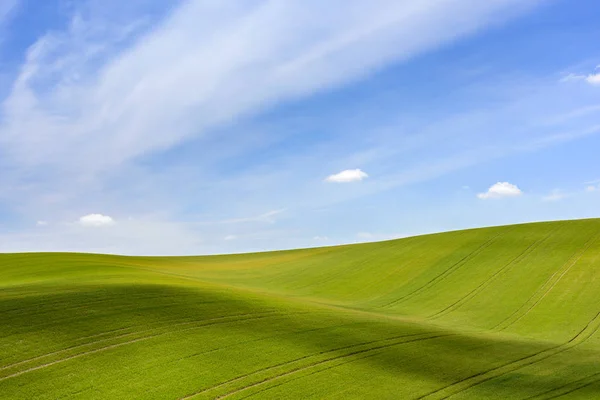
<point>42,223</point>
<point>592,188</point>
<point>501,189</point>
<point>593,79</point>
<point>138,113</point>
<point>230,237</point>
<point>86,102</point>
<point>555,195</point>
<point>349,175</point>
<point>321,238</point>
<point>95,220</point>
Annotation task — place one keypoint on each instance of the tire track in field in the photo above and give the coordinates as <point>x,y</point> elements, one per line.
<point>70,348</point>
<point>325,369</point>
<point>550,284</point>
<point>311,365</point>
<point>453,268</point>
<point>154,325</point>
<point>574,390</point>
<point>467,383</point>
<point>116,308</point>
<point>528,250</point>
<point>570,387</point>
<point>333,359</point>
<point>312,373</point>
<point>161,325</point>
<point>237,344</point>
<point>202,324</point>
<point>238,378</point>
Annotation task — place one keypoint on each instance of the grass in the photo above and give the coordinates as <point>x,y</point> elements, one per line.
<point>497,313</point>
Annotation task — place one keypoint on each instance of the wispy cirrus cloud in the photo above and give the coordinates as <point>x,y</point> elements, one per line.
<point>82,103</point>
<point>94,102</point>
<point>7,7</point>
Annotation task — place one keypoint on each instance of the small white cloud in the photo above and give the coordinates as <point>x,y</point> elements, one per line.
<point>230,237</point>
<point>95,220</point>
<point>41,223</point>
<point>466,187</point>
<point>593,79</point>
<point>348,175</point>
<point>592,188</point>
<point>555,195</point>
<point>501,189</point>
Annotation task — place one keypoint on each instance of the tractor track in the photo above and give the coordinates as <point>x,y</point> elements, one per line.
<point>303,367</point>
<point>464,384</point>
<point>202,324</point>
<point>528,250</point>
<point>449,271</point>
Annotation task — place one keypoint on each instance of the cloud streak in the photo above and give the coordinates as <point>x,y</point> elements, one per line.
<point>75,102</point>
<point>94,104</point>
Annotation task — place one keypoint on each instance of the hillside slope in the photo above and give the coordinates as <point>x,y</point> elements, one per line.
<point>503,312</point>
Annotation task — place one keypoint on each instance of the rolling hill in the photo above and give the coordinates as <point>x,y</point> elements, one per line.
<point>508,312</point>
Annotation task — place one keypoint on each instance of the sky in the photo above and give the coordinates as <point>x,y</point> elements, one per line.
<point>203,127</point>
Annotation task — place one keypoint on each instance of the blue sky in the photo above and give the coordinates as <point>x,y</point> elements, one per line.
<point>197,127</point>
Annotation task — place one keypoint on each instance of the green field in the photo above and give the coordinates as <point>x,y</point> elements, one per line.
<point>497,313</point>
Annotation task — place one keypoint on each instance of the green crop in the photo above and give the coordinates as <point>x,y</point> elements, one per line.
<point>496,313</point>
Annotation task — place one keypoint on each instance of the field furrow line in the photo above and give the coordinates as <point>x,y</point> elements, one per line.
<point>237,344</point>
<point>530,249</point>
<point>550,284</point>
<point>324,369</point>
<point>449,271</point>
<point>168,324</point>
<point>332,359</point>
<point>567,388</point>
<point>211,322</point>
<point>296,360</point>
<point>464,384</point>
<point>71,348</point>
<point>337,365</point>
